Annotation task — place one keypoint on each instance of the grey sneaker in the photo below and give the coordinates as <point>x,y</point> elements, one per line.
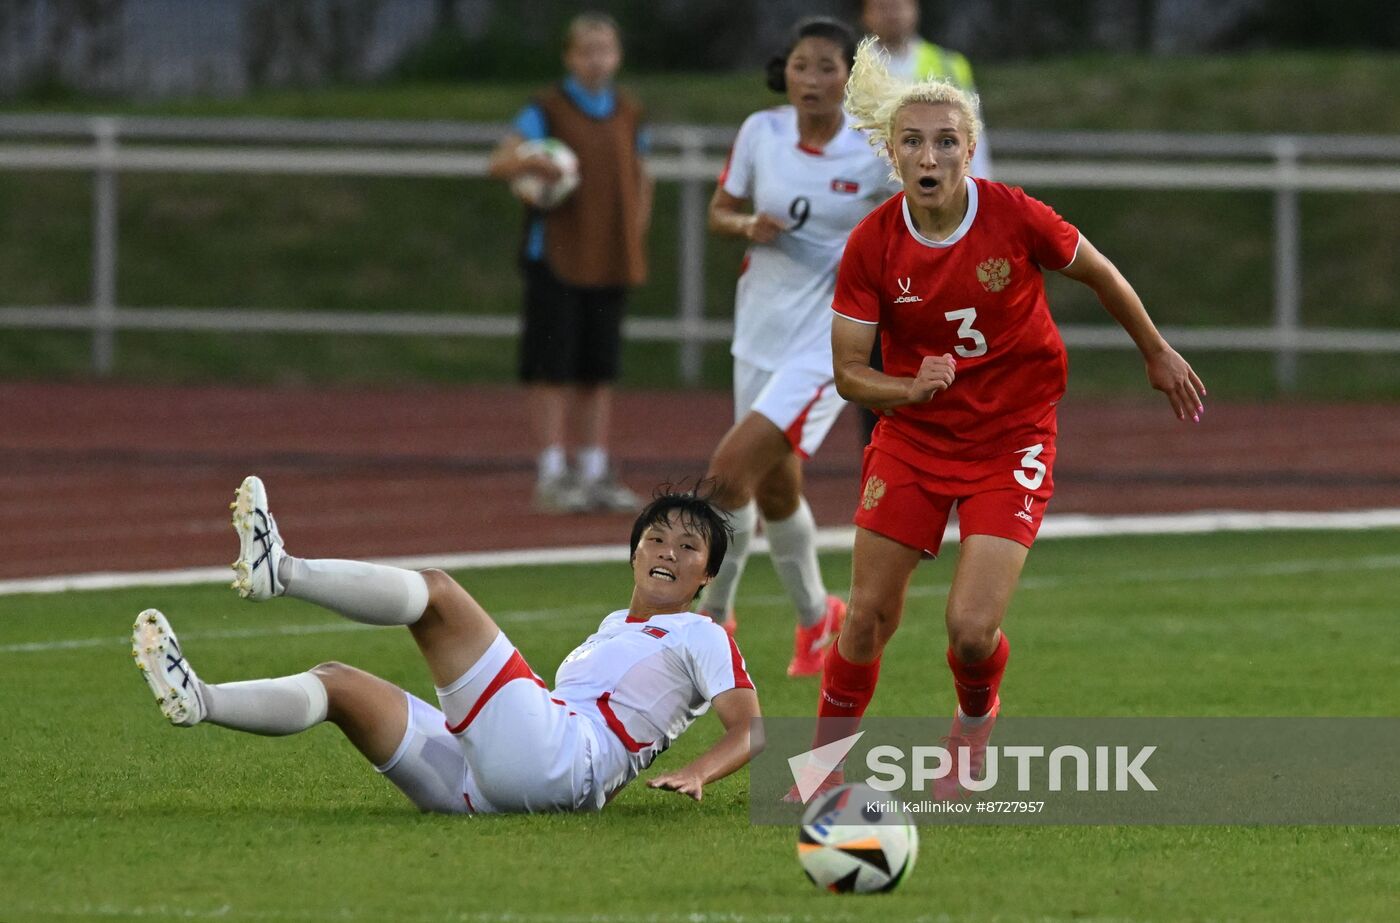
<point>560,495</point>
<point>172,680</point>
<point>260,549</point>
<point>610,495</point>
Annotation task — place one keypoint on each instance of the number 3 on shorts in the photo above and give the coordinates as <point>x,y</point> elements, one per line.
<point>1032,471</point>
<point>966,331</point>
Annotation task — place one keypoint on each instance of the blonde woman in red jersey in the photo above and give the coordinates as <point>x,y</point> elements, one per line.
<point>949,275</point>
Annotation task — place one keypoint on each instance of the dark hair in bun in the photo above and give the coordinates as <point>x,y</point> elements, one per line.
<point>833,30</point>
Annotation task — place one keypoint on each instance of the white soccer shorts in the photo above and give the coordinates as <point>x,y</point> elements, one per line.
<point>500,744</point>
<point>799,400</point>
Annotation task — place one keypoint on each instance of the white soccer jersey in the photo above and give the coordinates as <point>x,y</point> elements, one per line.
<point>782,308</point>
<point>647,681</point>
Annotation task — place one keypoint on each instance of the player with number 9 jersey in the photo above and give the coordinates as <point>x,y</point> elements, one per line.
<point>784,291</point>
<point>798,179</point>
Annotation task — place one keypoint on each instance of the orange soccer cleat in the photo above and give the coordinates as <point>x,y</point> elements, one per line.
<point>834,778</point>
<point>974,737</point>
<point>809,644</point>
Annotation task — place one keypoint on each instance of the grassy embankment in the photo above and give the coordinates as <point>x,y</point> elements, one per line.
<point>447,245</point>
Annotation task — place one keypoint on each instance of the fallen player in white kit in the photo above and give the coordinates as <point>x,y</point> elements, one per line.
<point>502,742</point>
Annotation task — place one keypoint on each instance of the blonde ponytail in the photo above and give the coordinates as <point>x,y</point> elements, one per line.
<point>874,97</point>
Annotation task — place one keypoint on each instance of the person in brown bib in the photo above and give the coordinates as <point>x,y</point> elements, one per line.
<point>578,260</point>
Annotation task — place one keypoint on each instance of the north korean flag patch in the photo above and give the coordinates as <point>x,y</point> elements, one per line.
<point>654,631</point>
<point>850,187</point>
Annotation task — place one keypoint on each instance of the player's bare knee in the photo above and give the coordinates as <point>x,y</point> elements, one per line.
<point>442,592</point>
<point>439,584</point>
<point>342,681</point>
<point>870,626</point>
<point>778,500</point>
<point>333,672</point>
<point>971,643</point>
<point>732,489</point>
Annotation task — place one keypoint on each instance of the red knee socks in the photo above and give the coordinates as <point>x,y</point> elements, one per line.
<point>847,689</point>
<point>977,683</point>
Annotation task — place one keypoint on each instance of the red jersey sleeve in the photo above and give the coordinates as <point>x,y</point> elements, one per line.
<point>1051,240</point>
<point>857,280</point>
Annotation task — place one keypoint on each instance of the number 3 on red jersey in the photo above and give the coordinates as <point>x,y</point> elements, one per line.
<point>1032,470</point>
<point>966,331</point>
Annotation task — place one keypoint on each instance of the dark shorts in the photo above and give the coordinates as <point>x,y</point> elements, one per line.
<point>571,334</point>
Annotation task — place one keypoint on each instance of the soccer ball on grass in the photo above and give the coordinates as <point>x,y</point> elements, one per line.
<point>848,844</point>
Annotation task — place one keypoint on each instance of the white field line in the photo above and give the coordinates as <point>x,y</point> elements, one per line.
<point>1069,525</point>
<point>595,610</point>
<point>229,912</point>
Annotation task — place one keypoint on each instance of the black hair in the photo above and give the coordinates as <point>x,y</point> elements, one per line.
<point>694,510</point>
<point>833,30</point>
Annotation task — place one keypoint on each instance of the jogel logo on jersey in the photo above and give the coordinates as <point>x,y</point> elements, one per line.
<point>904,286</point>
<point>994,274</point>
<point>1025,511</point>
<point>874,490</point>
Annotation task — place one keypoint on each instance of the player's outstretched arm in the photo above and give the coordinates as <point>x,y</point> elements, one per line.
<point>856,381</point>
<point>1167,371</point>
<point>736,709</point>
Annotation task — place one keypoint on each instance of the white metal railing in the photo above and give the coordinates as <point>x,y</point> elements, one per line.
<point>691,156</point>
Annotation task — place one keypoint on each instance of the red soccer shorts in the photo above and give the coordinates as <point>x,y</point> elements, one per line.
<point>1003,496</point>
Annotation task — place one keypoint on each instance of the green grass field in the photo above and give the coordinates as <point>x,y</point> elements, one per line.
<point>109,813</point>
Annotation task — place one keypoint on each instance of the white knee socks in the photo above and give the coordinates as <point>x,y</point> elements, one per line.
<point>792,543</point>
<point>718,597</point>
<point>370,593</point>
<point>272,707</point>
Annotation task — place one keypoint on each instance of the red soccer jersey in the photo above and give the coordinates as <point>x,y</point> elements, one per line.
<point>979,295</point>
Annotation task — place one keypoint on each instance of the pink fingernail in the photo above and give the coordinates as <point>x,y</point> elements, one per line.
<point>1196,417</point>
<point>1201,409</point>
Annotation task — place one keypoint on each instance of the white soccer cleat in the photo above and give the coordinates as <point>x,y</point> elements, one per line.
<point>172,680</point>
<point>609,495</point>
<point>260,550</point>
<point>561,494</point>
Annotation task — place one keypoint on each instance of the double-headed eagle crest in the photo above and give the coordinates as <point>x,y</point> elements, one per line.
<point>994,274</point>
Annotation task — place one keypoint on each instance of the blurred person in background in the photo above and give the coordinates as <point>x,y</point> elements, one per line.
<point>578,261</point>
<point>895,26</point>
<point>798,179</point>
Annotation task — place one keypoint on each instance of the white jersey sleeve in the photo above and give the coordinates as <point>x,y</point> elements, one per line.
<point>737,176</point>
<point>716,665</point>
<point>642,682</point>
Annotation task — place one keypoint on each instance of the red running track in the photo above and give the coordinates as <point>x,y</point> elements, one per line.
<point>128,477</point>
